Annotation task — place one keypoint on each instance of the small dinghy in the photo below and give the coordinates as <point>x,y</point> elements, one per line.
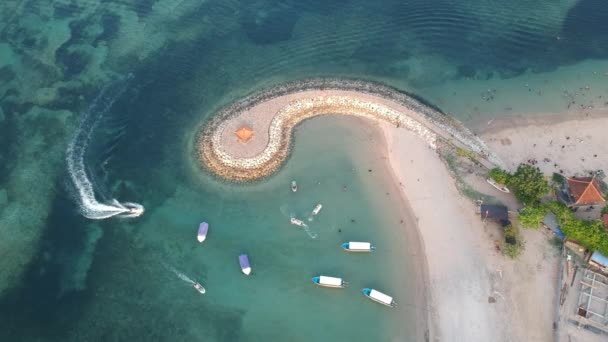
<point>244,262</point>
<point>199,288</point>
<point>202,231</point>
<point>358,247</point>
<point>294,186</point>
<point>329,282</point>
<point>297,222</point>
<point>317,209</point>
<point>379,297</point>
<point>499,187</point>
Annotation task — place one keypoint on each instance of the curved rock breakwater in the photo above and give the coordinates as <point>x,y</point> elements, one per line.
<point>274,113</point>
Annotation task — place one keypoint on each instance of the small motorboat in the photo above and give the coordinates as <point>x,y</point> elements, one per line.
<point>244,262</point>
<point>317,209</point>
<point>379,297</point>
<point>298,222</point>
<point>294,186</point>
<point>329,282</point>
<point>202,231</point>
<point>199,288</point>
<point>358,246</point>
<point>499,187</point>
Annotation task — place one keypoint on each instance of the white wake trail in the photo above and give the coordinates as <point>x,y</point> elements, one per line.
<point>89,206</point>
<point>180,275</point>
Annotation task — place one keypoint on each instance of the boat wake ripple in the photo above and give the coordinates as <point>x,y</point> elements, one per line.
<point>180,275</point>
<point>90,207</point>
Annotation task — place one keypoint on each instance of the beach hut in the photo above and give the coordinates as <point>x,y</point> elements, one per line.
<point>583,191</point>
<point>244,134</point>
<point>497,213</point>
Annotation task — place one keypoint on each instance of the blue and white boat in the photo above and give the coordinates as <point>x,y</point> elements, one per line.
<point>244,262</point>
<point>358,246</point>
<point>379,297</point>
<point>330,282</point>
<point>202,232</point>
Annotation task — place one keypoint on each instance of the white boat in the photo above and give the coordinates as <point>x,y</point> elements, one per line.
<point>317,209</point>
<point>294,186</point>
<point>297,222</point>
<point>499,187</point>
<point>199,288</point>
<point>379,297</point>
<point>358,246</point>
<point>329,282</point>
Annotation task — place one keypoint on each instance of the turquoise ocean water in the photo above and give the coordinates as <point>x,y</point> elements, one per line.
<point>67,278</point>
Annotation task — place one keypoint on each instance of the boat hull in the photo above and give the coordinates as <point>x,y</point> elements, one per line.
<point>244,263</point>
<point>498,187</point>
<point>198,287</point>
<point>315,280</point>
<point>202,232</point>
<point>366,292</point>
<point>346,248</point>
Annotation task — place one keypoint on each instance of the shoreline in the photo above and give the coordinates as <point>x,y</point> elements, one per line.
<point>566,143</point>
<point>273,114</point>
<point>464,270</point>
<point>413,235</point>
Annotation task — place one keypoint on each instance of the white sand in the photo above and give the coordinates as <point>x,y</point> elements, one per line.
<point>577,145</point>
<point>464,268</point>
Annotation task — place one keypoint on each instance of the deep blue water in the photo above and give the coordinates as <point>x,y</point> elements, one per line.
<point>68,278</point>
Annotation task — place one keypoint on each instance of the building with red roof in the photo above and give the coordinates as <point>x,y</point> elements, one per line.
<point>585,191</point>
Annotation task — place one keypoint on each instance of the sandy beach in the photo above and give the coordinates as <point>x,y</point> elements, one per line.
<point>567,144</point>
<point>464,269</point>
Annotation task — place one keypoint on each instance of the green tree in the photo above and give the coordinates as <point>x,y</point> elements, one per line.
<point>591,234</point>
<point>514,243</point>
<point>529,184</point>
<point>532,216</point>
<point>500,176</point>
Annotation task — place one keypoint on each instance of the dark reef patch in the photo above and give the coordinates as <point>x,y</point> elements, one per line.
<point>111,25</point>
<point>37,301</point>
<point>7,74</point>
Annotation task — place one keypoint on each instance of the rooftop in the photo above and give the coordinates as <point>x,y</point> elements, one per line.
<point>585,190</point>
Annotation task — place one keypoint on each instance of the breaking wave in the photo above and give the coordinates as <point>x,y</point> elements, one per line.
<point>90,207</point>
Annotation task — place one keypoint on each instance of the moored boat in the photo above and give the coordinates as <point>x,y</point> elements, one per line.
<point>329,282</point>
<point>244,262</point>
<point>379,297</point>
<point>317,209</point>
<point>499,187</point>
<point>202,231</point>
<point>358,246</point>
<point>199,288</point>
<point>297,222</point>
<point>294,186</point>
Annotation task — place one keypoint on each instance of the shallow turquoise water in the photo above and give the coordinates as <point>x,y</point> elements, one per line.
<point>76,279</point>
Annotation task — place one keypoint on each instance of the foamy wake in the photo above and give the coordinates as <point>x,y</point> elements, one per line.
<point>89,206</point>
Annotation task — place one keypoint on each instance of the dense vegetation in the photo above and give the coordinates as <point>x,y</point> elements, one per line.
<point>532,216</point>
<point>528,183</point>
<point>500,176</point>
<point>529,186</point>
<point>591,234</point>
